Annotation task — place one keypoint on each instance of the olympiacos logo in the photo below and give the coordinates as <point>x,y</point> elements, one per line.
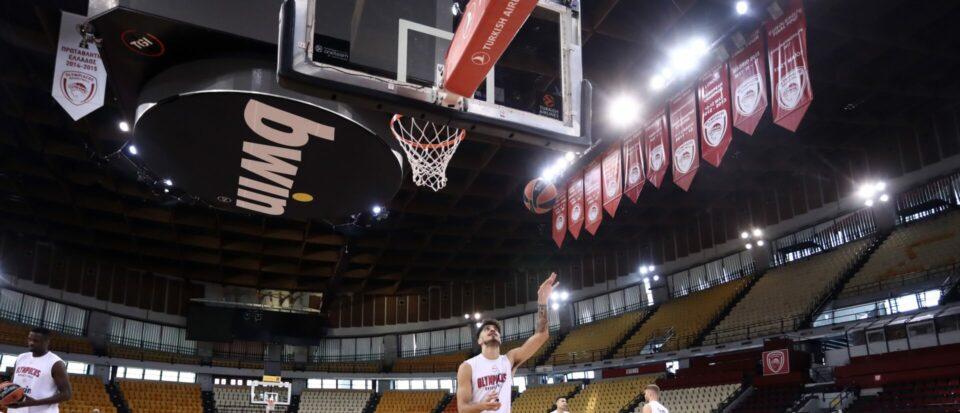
<point>78,87</point>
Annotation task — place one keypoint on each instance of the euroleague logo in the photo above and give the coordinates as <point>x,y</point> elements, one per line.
<point>480,58</point>
<point>549,101</point>
<point>78,87</point>
<point>144,44</point>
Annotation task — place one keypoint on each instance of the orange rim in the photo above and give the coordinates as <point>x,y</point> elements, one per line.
<point>396,118</point>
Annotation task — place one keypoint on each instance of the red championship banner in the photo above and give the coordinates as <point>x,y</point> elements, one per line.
<point>633,165</point>
<point>748,85</point>
<point>714,96</point>
<point>593,197</point>
<point>789,68</point>
<point>575,205</point>
<point>684,138</point>
<point>776,362</point>
<point>560,219</point>
<point>612,180</point>
<point>657,146</point>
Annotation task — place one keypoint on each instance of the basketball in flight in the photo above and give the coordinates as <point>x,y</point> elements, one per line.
<point>540,196</point>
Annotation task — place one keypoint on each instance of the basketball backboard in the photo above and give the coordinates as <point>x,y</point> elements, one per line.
<point>389,56</point>
<point>271,395</point>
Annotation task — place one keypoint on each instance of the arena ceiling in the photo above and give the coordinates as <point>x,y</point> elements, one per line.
<point>879,68</point>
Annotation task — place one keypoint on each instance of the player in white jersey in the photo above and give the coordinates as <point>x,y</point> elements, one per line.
<point>652,394</point>
<point>561,404</point>
<point>42,375</point>
<point>484,382</point>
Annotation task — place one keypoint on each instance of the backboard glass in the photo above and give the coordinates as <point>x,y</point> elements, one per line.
<point>389,55</point>
<point>278,392</point>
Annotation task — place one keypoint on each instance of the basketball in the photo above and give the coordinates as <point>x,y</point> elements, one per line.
<point>10,393</point>
<point>539,196</point>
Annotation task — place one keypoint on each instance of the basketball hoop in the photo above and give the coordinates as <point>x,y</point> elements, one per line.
<point>428,146</point>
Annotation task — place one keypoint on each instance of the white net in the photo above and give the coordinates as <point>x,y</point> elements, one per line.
<point>429,147</point>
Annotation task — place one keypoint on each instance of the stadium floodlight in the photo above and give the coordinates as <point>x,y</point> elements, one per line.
<point>757,232</point>
<point>555,306</point>
<point>624,110</point>
<point>749,246</point>
<point>760,243</point>
<point>564,295</point>
<point>476,316</point>
<point>742,7</point>
<point>656,278</point>
<point>466,316</point>
<point>884,198</point>
<point>133,149</point>
<point>744,235</point>
<point>868,202</point>
<point>168,182</point>
<point>124,126</point>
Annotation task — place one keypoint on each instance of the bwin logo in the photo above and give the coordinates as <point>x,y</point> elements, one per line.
<point>270,170</point>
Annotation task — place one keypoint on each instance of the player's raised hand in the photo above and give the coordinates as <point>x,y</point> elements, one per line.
<point>543,294</point>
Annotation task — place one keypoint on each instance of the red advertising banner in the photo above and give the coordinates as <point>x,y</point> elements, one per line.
<point>575,205</point>
<point>593,197</point>
<point>748,85</point>
<point>776,362</point>
<point>789,68</point>
<point>560,219</point>
<point>713,93</point>
<point>633,165</point>
<point>612,180</point>
<point>684,138</point>
<point>657,146</point>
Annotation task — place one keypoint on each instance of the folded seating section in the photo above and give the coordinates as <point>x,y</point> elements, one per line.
<point>160,397</point>
<point>88,394</point>
<point>609,395</point>
<point>784,295</point>
<point>236,399</point>
<point>408,401</point>
<point>589,342</point>
<point>334,401</point>
<point>686,317</point>
<point>431,363</point>
<point>695,399</point>
<point>539,398</point>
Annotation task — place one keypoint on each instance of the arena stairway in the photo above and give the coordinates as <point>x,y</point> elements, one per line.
<point>116,396</point>
<point>209,404</point>
<point>372,404</point>
<point>847,275</point>
<point>552,345</point>
<point>626,337</point>
<point>443,403</point>
<point>727,308</point>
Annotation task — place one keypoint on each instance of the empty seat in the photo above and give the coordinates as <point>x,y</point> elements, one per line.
<point>609,396</point>
<point>410,401</point>
<point>538,399</point>
<point>160,397</point>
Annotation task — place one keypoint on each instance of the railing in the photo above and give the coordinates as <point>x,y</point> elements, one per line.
<point>748,331</point>
<point>151,345</point>
<point>40,322</point>
<point>593,318</point>
<point>435,350</point>
<point>902,280</point>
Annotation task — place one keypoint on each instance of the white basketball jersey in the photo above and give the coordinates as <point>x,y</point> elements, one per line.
<point>35,375</point>
<point>657,407</point>
<point>492,376</point>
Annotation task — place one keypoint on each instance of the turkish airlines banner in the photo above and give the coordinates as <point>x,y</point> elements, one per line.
<point>575,206</point>
<point>748,85</point>
<point>612,180</point>
<point>776,362</point>
<point>657,147</point>
<point>633,164</point>
<point>560,219</point>
<point>789,68</point>
<point>593,197</point>
<point>684,138</point>
<point>488,28</point>
<point>714,96</point>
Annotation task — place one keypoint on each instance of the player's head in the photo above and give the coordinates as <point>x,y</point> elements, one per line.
<point>38,341</point>
<point>561,404</point>
<point>489,333</point>
<point>652,392</point>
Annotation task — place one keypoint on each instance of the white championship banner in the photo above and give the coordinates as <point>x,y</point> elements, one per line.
<point>79,78</point>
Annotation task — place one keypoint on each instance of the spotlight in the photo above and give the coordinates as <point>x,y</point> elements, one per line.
<point>744,235</point>
<point>646,280</point>
<point>760,243</point>
<point>623,110</point>
<point>757,232</point>
<point>880,186</point>
<point>168,182</point>
<point>643,270</point>
<point>868,202</point>
<point>650,268</point>
<point>554,295</point>
<point>658,82</point>
<point>564,296</point>
<point>377,209</point>
<point>550,173</point>
<point>686,58</point>
<point>866,191</point>
<point>166,190</point>
<point>476,316</point>
<point>749,246</point>
<point>479,324</point>
<point>656,278</point>
<point>884,198</point>
<point>466,316</point>
<point>555,306</point>
<point>132,149</point>
<point>742,7</point>
<point>124,126</point>
<point>570,156</point>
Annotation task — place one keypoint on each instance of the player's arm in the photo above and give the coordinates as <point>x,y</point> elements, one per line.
<point>647,409</point>
<point>542,332</point>
<point>64,391</point>
<point>465,393</point>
